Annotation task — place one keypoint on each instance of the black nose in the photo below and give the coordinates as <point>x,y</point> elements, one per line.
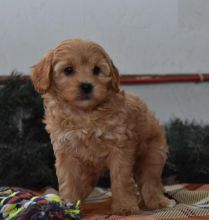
<point>86,87</point>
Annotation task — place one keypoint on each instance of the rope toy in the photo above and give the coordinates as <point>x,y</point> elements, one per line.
<point>20,205</point>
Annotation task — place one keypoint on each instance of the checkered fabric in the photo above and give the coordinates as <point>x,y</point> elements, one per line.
<point>192,203</point>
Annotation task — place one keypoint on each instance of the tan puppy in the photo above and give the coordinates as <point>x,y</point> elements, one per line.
<point>94,125</point>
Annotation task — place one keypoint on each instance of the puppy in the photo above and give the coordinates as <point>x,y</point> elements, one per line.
<point>93,125</point>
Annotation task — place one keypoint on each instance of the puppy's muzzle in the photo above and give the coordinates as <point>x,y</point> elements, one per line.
<point>86,88</point>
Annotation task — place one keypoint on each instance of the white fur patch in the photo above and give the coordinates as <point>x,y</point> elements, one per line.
<point>172,203</point>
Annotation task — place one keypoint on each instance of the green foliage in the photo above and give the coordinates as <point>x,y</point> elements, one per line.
<point>188,157</point>
<point>26,155</point>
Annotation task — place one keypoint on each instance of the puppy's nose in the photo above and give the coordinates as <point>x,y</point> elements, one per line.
<point>86,88</point>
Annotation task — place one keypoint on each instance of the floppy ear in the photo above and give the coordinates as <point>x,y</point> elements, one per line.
<point>41,73</point>
<point>115,77</point>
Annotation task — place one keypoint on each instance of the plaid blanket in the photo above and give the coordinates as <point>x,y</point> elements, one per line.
<point>192,203</point>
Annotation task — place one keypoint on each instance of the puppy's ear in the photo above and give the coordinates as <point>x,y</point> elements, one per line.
<point>115,77</point>
<point>41,73</point>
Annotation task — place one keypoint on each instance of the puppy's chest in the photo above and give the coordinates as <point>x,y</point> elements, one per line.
<point>97,136</point>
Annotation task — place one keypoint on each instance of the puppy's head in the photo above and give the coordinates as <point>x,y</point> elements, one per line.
<point>77,71</point>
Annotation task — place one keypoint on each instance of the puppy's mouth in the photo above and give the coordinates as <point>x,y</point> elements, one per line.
<point>85,101</point>
<point>85,97</point>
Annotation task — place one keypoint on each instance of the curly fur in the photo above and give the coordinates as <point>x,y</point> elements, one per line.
<point>105,129</point>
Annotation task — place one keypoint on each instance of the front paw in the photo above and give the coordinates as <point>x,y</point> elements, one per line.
<point>160,202</point>
<point>124,209</point>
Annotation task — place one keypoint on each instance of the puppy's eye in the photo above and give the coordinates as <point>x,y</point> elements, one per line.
<point>96,71</point>
<point>68,70</point>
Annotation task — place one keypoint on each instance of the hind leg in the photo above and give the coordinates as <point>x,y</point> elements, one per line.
<point>148,177</point>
